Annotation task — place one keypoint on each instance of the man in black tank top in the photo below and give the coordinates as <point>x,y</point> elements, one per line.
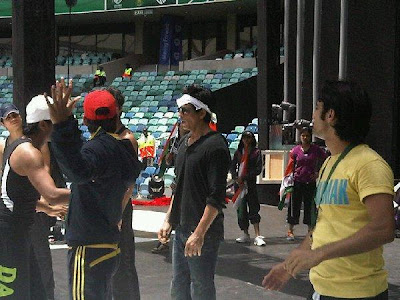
<point>39,232</point>
<point>125,280</point>
<point>24,179</point>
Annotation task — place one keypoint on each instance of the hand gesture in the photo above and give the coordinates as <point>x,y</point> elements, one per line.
<point>300,260</point>
<point>276,278</point>
<point>164,232</point>
<point>193,245</point>
<point>58,211</point>
<point>62,107</point>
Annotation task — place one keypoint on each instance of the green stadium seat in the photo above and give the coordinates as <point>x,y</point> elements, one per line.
<point>148,115</point>
<point>139,115</point>
<point>151,128</point>
<point>134,109</point>
<point>145,103</point>
<point>134,121</point>
<point>153,121</point>
<point>224,80</point>
<point>169,115</point>
<point>149,98</point>
<point>162,128</point>
<point>153,103</point>
<point>143,121</point>
<point>163,109</point>
<point>216,86</point>
<point>158,115</point>
<point>171,121</point>
<point>239,129</point>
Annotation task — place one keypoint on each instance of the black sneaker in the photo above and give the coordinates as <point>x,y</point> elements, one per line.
<point>161,248</point>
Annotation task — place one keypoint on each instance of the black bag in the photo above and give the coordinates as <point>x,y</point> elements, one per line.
<point>156,187</point>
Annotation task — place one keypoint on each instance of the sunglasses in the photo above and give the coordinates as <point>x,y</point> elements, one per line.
<point>185,110</point>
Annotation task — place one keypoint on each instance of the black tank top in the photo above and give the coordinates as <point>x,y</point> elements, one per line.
<point>18,196</point>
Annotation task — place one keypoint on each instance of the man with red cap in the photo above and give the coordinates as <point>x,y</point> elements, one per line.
<point>101,171</point>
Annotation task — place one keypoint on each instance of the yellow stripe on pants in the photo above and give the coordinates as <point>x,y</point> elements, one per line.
<point>83,273</point>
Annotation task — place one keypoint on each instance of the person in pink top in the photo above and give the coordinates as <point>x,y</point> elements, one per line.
<point>307,159</point>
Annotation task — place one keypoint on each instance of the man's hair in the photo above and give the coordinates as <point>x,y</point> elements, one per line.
<point>306,129</point>
<point>108,125</point>
<point>32,128</point>
<point>117,94</point>
<point>352,108</point>
<point>202,94</point>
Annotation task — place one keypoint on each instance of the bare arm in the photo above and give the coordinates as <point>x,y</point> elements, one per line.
<point>28,161</point>
<point>2,146</point>
<point>46,156</point>
<point>379,231</point>
<point>165,230</point>
<point>127,197</point>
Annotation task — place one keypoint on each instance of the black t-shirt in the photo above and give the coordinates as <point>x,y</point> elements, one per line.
<point>201,170</point>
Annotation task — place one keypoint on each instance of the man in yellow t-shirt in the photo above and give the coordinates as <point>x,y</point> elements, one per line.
<point>354,200</point>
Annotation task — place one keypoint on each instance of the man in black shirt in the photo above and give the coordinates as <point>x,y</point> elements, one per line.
<point>101,172</point>
<point>202,165</point>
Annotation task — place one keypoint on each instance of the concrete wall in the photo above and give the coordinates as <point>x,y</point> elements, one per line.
<point>116,68</point>
<point>217,64</point>
<point>59,70</point>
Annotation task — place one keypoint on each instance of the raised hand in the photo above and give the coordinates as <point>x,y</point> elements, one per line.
<point>62,105</point>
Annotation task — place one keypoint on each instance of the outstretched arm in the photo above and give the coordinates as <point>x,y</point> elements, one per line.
<point>379,231</point>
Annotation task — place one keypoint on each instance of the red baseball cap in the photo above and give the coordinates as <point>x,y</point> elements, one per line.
<point>99,105</point>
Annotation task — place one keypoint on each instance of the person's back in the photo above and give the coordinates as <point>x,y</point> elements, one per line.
<point>95,208</point>
<point>101,171</point>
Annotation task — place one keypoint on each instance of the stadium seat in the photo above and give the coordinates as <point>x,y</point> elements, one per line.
<point>239,129</point>
<point>252,128</point>
<point>231,137</point>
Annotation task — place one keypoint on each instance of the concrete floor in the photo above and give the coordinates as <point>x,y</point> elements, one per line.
<point>240,268</point>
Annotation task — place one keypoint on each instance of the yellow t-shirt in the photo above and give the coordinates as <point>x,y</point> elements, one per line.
<point>342,213</point>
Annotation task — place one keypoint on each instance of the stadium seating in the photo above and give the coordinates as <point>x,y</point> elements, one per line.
<point>150,99</point>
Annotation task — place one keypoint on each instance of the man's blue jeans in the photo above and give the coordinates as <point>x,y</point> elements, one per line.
<point>193,277</point>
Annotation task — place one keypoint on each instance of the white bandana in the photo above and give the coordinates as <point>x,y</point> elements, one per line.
<point>186,99</point>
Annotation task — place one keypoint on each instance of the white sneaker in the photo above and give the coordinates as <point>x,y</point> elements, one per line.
<point>258,241</point>
<point>243,239</point>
